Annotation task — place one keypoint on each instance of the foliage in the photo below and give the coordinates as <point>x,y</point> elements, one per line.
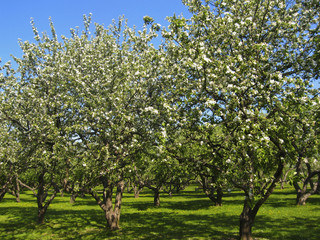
<point>228,96</point>
<point>243,67</point>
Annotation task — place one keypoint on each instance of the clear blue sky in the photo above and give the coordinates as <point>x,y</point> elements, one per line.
<point>15,17</point>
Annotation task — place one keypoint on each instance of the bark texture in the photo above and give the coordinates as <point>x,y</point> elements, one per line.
<point>112,213</point>
<point>212,190</point>
<point>246,221</point>
<point>41,199</point>
<point>251,207</point>
<point>303,193</point>
<point>156,199</point>
<point>2,193</point>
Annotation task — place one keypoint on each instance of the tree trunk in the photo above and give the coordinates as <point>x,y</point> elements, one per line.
<point>5,188</point>
<point>250,209</point>
<point>2,194</point>
<point>43,207</point>
<point>156,200</point>
<point>41,198</point>
<point>302,198</point>
<point>284,177</point>
<point>212,189</point>
<point>302,192</point>
<point>112,214</point>
<point>219,196</point>
<point>137,188</point>
<point>73,197</point>
<point>137,191</point>
<point>17,190</point>
<point>246,221</point>
<point>41,214</point>
<point>3,191</point>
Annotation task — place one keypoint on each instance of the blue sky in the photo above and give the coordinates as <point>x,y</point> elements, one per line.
<point>15,17</point>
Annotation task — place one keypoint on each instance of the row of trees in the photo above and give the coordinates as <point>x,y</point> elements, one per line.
<point>227,98</point>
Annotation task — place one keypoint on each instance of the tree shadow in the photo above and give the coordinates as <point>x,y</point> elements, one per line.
<point>282,228</point>
<point>140,220</point>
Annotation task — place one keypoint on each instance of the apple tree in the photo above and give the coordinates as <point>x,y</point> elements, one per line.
<point>238,62</point>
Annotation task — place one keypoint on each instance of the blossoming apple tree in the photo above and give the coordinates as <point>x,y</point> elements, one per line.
<point>239,62</point>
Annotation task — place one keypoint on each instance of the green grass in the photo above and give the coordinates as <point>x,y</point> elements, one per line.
<point>188,215</point>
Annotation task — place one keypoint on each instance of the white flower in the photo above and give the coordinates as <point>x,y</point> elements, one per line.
<point>151,109</point>
<point>164,133</point>
<point>266,138</point>
<point>84,164</point>
<point>228,161</point>
<point>249,19</point>
<point>166,105</point>
<point>210,102</point>
<point>206,59</point>
<point>229,70</point>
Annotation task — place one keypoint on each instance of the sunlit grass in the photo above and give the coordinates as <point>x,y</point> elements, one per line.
<point>187,215</point>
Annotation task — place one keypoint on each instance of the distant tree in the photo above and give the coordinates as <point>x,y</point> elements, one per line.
<point>305,142</point>
<point>163,173</point>
<point>193,150</point>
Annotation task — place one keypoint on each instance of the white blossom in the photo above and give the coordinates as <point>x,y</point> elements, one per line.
<point>210,102</point>
<point>151,109</point>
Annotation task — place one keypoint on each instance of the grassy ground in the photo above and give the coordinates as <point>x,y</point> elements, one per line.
<point>188,215</point>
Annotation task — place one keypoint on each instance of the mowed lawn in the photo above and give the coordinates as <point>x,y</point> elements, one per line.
<point>186,215</point>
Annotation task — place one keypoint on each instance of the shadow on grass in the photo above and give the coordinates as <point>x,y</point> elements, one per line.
<point>73,223</point>
<point>189,219</point>
<point>295,228</point>
<point>176,226</point>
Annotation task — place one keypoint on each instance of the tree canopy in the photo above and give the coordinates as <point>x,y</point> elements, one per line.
<point>227,97</point>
